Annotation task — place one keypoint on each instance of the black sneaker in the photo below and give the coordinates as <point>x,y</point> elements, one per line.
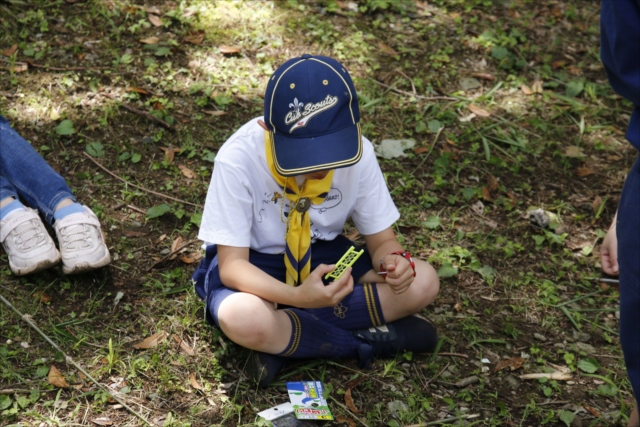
<point>262,368</point>
<point>412,333</point>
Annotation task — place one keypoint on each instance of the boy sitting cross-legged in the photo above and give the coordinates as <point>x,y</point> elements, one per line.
<point>282,188</point>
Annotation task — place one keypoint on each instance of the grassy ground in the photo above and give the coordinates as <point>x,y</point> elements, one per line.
<point>510,111</point>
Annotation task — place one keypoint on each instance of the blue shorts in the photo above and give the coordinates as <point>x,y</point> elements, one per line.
<point>211,289</point>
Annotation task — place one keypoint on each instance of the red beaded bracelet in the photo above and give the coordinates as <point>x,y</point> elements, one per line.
<point>403,254</point>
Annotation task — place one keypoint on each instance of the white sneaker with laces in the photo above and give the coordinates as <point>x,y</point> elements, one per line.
<point>27,242</point>
<point>81,242</point>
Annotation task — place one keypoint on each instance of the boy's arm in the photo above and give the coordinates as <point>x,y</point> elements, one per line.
<point>236,272</point>
<point>381,246</point>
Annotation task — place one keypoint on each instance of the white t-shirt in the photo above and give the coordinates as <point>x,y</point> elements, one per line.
<point>244,205</point>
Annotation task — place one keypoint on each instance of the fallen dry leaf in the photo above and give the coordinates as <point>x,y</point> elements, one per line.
<point>348,400</point>
<point>559,64</point>
<point>170,152</point>
<point>557,12</point>
<point>487,190</point>
<point>388,50</point>
<point>486,194</point>
<point>137,90</point>
<point>214,112</point>
<point>513,364</point>
<point>421,150</point>
<point>584,171</point>
<point>484,76</point>
<point>194,383</point>
<point>575,244</point>
<point>155,20</point>
<point>176,243</point>
<point>151,341</point>
<point>597,202</point>
<point>189,12</point>
<point>492,182</point>
<point>537,86</point>
<point>132,233</point>
<point>150,40</point>
<point>478,111</point>
<point>344,420</point>
<point>20,68</point>
<point>102,421</point>
<point>526,90</point>
<point>593,411</point>
<point>184,345</point>
<point>10,50</point>
<point>191,258</point>
<point>467,118</point>
<point>573,151</point>
<point>229,49</point>
<point>353,383</point>
<point>43,296</point>
<point>574,70</point>
<point>56,379</point>
<point>513,200</point>
<point>194,38</point>
<point>187,172</point>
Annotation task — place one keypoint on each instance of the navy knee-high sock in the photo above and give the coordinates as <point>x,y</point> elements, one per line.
<point>360,309</point>
<point>312,337</point>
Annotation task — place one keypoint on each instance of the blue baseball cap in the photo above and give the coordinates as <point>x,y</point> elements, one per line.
<point>311,110</point>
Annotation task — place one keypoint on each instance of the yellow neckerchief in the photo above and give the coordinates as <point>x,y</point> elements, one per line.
<point>297,253</point>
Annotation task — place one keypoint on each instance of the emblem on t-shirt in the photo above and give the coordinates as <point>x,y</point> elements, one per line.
<point>276,196</point>
<point>301,113</point>
<point>332,200</point>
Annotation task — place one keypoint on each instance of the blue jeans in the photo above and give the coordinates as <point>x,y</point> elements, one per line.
<point>628,233</point>
<point>25,175</point>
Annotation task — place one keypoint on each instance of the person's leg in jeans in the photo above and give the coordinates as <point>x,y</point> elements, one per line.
<point>27,175</point>
<point>37,184</point>
<point>628,232</point>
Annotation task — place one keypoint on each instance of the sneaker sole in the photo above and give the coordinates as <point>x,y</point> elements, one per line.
<point>42,265</point>
<point>86,266</point>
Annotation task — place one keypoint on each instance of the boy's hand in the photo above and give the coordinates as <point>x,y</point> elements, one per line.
<point>399,274</point>
<point>609,252</point>
<point>312,293</point>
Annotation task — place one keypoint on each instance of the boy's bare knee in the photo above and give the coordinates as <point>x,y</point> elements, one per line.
<point>429,283</point>
<point>245,320</point>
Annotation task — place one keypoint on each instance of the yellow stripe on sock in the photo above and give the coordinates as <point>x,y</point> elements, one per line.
<point>297,332</point>
<point>371,305</point>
